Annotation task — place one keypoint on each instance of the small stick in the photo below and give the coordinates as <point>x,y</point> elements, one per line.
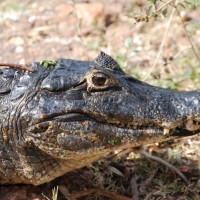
<point>134,188</point>
<point>16,66</point>
<point>162,44</point>
<point>100,192</point>
<point>148,155</point>
<point>194,49</point>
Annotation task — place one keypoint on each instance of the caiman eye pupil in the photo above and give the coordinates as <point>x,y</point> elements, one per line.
<point>98,81</point>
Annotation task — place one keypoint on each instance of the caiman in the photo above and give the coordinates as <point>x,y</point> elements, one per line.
<point>66,114</point>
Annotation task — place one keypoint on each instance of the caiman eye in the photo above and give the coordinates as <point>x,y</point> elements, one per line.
<point>99,79</point>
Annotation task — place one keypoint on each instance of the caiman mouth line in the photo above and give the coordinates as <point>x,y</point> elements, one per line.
<point>179,131</point>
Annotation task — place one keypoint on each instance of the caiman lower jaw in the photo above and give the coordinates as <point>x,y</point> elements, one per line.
<point>189,128</point>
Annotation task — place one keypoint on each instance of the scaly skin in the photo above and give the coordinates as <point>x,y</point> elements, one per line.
<point>62,117</point>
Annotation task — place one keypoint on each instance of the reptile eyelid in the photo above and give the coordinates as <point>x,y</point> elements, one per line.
<point>106,84</point>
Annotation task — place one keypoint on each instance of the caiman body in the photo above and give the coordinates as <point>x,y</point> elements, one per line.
<point>56,119</point>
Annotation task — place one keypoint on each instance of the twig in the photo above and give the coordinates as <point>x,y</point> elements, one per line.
<point>45,197</point>
<point>100,192</point>
<point>147,155</point>
<point>164,5</point>
<point>65,192</point>
<point>148,196</point>
<point>148,181</point>
<point>134,188</point>
<point>181,52</point>
<point>16,66</point>
<point>186,32</point>
<point>162,43</point>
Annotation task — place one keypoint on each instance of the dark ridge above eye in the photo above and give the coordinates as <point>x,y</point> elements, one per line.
<point>105,61</point>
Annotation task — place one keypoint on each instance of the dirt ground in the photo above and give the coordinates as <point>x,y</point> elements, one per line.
<point>39,30</point>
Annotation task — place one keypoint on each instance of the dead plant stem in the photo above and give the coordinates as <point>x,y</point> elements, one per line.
<point>187,34</point>
<point>16,66</point>
<point>162,44</point>
<point>147,155</point>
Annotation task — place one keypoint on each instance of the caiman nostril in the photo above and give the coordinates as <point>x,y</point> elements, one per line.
<point>192,125</point>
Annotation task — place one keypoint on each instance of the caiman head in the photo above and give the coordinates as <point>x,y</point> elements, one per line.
<point>79,107</point>
<point>79,110</point>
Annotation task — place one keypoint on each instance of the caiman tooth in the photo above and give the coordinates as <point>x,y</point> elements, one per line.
<point>166,131</point>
